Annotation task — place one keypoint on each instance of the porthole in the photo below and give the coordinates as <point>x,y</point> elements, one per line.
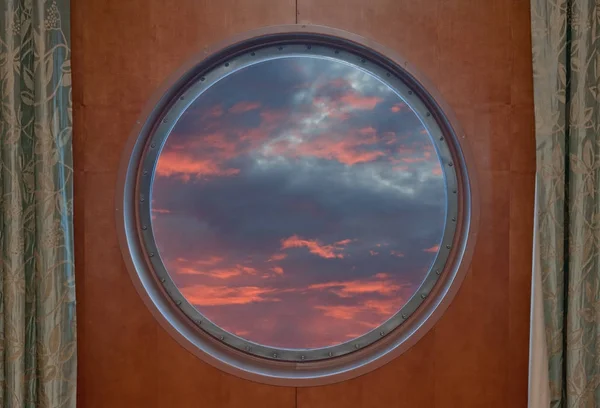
<point>295,208</point>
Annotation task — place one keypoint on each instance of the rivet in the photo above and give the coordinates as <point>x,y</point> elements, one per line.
<point>330,354</point>
<point>179,303</point>
<point>222,337</point>
<point>145,172</point>
<point>248,348</point>
<point>163,280</point>
<point>165,120</point>
<point>410,92</point>
<point>448,246</point>
<point>450,164</point>
<point>274,355</point>
<point>441,139</point>
<point>302,357</point>
<point>356,346</point>
<point>381,333</point>
<point>153,145</point>
<point>388,74</point>
<point>280,48</point>
<point>362,60</point>
<point>308,47</point>
<point>227,64</point>
<point>181,98</point>
<point>428,114</point>
<point>142,199</point>
<point>337,51</point>
<point>202,79</point>
<point>454,219</point>
<point>403,316</point>
<point>144,227</point>
<point>151,254</point>
<point>454,191</point>
<point>253,54</point>
<point>437,272</point>
<point>423,296</point>
<point>198,322</point>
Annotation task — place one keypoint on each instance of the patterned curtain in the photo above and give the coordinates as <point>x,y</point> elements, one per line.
<point>37,287</point>
<point>566,65</point>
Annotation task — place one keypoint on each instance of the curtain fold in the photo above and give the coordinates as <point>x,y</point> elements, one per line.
<point>37,285</point>
<point>539,384</point>
<point>566,67</point>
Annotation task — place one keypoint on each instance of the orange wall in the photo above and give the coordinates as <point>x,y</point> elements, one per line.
<point>477,53</point>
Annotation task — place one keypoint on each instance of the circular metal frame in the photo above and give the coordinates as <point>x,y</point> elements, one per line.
<point>224,349</point>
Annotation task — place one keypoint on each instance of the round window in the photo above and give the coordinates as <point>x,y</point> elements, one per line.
<point>295,207</point>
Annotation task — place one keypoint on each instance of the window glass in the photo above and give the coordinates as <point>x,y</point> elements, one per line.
<point>298,202</point>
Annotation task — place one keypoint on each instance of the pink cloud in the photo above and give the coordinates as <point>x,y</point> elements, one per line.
<point>347,149</point>
<point>345,289</point>
<point>434,249</point>
<point>278,270</point>
<point>315,247</point>
<point>411,160</point>
<point>214,112</point>
<point>360,102</point>
<point>213,260</point>
<point>272,116</point>
<point>184,166</point>
<point>208,267</point>
<point>161,211</point>
<point>399,107</point>
<point>242,107</point>
<point>368,131</point>
<point>397,254</point>
<point>203,295</point>
<point>277,257</point>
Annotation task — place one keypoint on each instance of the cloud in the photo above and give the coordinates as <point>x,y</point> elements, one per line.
<point>434,249</point>
<point>382,309</point>
<point>217,273</point>
<point>315,247</point>
<point>213,260</point>
<point>357,101</point>
<point>242,107</point>
<point>382,286</point>
<point>351,148</point>
<point>211,267</point>
<point>277,257</point>
<point>185,167</point>
<point>340,311</point>
<point>214,112</point>
<point>278,270</point>
<point>204,295</point>
<point>399,107</point>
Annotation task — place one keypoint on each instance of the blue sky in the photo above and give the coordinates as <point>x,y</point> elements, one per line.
<point>298,203</point>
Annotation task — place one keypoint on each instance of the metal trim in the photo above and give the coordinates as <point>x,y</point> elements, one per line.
<point>262,363</point>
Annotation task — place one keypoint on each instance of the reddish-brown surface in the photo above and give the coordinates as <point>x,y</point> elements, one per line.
<point>477,53</point>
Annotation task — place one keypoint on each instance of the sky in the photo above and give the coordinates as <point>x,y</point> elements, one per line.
<point>298,203</point>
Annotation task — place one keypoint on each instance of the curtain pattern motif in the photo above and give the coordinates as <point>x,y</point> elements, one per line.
<point>566,65</point>
<point>37,287</point>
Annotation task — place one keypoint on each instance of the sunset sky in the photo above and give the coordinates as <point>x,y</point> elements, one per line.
<point>298,203</point>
